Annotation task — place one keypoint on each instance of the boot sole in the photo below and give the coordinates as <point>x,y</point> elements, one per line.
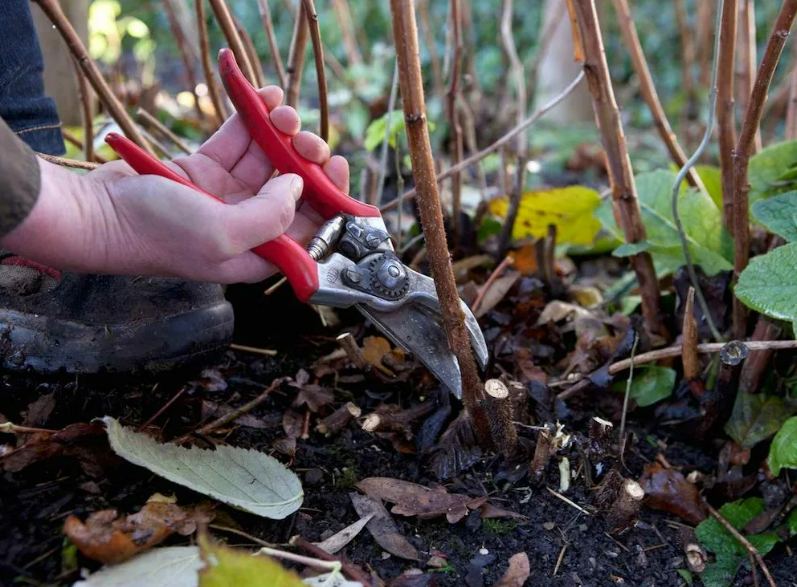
<point>48,345</point>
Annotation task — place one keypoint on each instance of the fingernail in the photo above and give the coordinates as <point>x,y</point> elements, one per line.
<point>297,184</point>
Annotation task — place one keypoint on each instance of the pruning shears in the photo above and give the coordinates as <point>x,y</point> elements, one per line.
<point>350,261</point>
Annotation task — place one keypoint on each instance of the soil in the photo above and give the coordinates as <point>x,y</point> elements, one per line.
<point>566,547</point>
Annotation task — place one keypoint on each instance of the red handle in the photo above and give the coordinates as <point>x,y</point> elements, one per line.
<point>323,195</point>
<point>289,256</point>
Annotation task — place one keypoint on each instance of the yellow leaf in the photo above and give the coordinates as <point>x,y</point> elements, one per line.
<point>226,567</point>
<point>570,209</point>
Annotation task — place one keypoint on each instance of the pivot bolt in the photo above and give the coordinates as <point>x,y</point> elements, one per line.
<point>353,275</point>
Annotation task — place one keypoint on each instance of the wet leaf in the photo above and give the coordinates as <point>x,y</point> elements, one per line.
<point>668,490</point>
<point>709,243</point>
<point>766,172</point>
<point>175,566</point>
<point>570,209</point>
<point>337,541</point>
<point>756,417</point>
<point>778,214</point>
<point>783,452</point>
<point>650,385</point>
<point>243,478</point>
<point>517,573</point>
<point>382,527</point>
<point>412,499</point>
<point>769,283</point>
<point>227,567</point>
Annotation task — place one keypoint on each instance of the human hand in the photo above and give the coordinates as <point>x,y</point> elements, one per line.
<point>114,221</point>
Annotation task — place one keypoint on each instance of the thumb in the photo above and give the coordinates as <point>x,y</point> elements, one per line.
<point>264,216</point>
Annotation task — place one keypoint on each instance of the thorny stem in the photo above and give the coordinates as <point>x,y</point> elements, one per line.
<point>296,57</point>
<point>648,89</point>
<point>227,25</point>
<point>185,53</point>
<point>725,111</point>
<point>628,388</point>
<point>744,148</point>
<point>115,108</point>
<point>453,115</point>
<point>411,81</point>
<point>268,26</point>
<point>618,163</point>
<point>712,105</point>
<point>318,54</point>
<point>391,106</point>
<point>207,68</point>
<point>410,194</point>
<point>64,162</point>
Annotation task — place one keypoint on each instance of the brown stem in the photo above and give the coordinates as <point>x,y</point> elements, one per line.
<point>744,149</point>
<point>726,125</point>
<point>705,18</point>
<point>251,53</point>
<point>353,54</point>
<point>405,32</point>
<point>115,108</point>
<point>746,60</point>
<point>453,115</point>
<point>339,419</point>
<point>626,206</point>
<point>717,404</point>
<point>387,419</point>
<point>296,57</point>
<point>434,56</point>
<point>353,350</point>
<point>689,337</point>
<point>207,67</point>
<point>791,108</point>
<point>743,541</point>
<point>227,25</point>
<point>756,366</point>
<point>318,53</point>
<point>64,162</point>
<point>185,54</point>
<point>87,114</point>
<point>147,119</point>
<point>648,89</point>
<point>498,406</point>
<point>353,571</point>
<point>542,455</point>
<point>410,194</point>
<point>163,408</point>
<point>268,26</point>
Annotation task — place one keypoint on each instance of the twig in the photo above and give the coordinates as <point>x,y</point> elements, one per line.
<point>115,108</point>
<point>11,428</point>
<point>86,113</point>
<point>251,349</point>
<point>268,26</point>
<point>743,541</point>
<point>726,125</point>
<point>507,262</point>
<point>207,68</point>
<point>689,165</point>
<point>163,408</point>
<point>64,162</point>
<point>234,415</point>
<point>410,194</point>
<point>147,119</point>
<point>618,163</point>
<point>560,558</point>
<point>296,57</point>
<point>185,53</point>
<point>628,388</point>
<point>251,52</point>
<point>353,351</point>
<point>353,54</point>
<point>648,89</point>
<point>72,139</point>
<point>318,53</point>
<point>744,148</point>
<point>411,81</point>
<point>227,25</point>
<point>353,571</point>
<point>516,68</point>
<point>567,501</point>
<point>156,143</point>
<point>391,106</point>
<point>322,565</point>
<point>746,60</point>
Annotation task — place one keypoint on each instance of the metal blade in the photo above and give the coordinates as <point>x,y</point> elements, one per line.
<point>416,329</point>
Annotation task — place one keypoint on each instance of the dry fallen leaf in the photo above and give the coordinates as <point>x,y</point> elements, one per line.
<point>376,348</point>
<point>496,292</point>
<point>314,397</point>
<point>39,411</point>
<point>337,541</point>
<point>668,490</point>
<point>412,499</point>
<point>382,527</point>
<point>518,572</point>
<point>488,510</point>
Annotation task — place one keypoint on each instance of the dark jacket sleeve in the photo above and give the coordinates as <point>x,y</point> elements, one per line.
<point>20,180</point>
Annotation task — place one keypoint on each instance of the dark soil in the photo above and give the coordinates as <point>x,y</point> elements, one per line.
<point>565,546</point>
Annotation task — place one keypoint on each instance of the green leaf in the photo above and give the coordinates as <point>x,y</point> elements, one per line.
<point>709,243</point>
<point>650,385</point>
<point>756,417</point>
<point>227,567</point>
<point>778,214</point>
<point>769,283</point>
<point>375,133</point>
<point>686,576</point>
<point>791,523</point>
<point>174,566</point>
<point>769,171</point>
<point>783,452</point>
<point>712,179</point>
<point>243,478</point>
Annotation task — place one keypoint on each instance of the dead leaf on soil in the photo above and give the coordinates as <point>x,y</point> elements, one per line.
<point>44,445</point>
<point>337,541</point>
<point>457,449</point>
<point>668,490</point>
<point>314,397</point>
<point>376,348</point>
<point>488,510</point>
<point>38,412</point>
<point>525,259</point>
<point>413,578</point>
<point>412,499</point>
<point>107,538</point>
<point>382,527</point>
<point>518,572</point>
<point>496,292</point>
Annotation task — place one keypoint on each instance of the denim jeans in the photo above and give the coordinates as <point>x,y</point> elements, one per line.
<point>23,105</point>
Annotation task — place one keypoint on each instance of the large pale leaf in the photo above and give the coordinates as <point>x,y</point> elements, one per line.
<point>570,209</point>
<point>756,417</point>
<point>778,214</point>
<point>769,283</point>
<point>176,566</point>
<point>771,171</point>
<point>709,243</point>
<point>783,452</point>
<point>243,478</point>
